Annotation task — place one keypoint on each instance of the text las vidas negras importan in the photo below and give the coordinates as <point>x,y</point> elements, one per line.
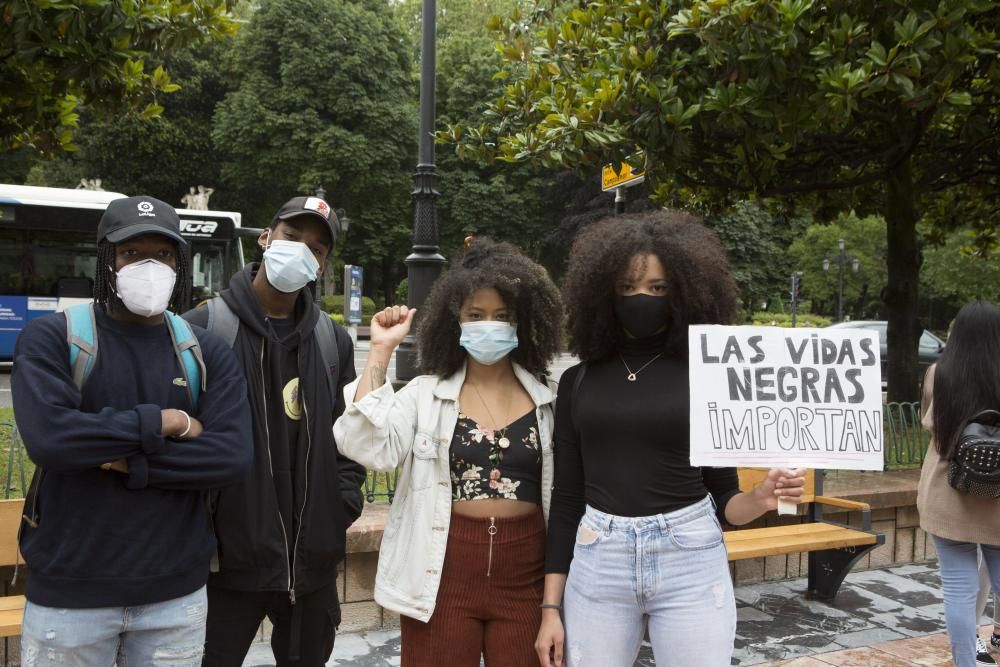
<point>765,396</point>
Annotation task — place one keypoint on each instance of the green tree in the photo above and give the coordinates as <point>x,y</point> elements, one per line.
<point>162,157</point>
<point>505,202</point>
<point>57,55</point>
<point>757,240</point>
<point>960,271</point>
<point>864,240</point>
<point>324,96</point>
<point>893,101</point>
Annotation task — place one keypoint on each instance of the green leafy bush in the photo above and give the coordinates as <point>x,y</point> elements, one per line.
<point>334,305</point>
<point>785,320</point>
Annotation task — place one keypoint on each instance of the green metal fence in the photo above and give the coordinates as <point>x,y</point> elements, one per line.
<point>905,446</point>
<point>905,441</point>
<point>15,480</point>
<point>380,486</point>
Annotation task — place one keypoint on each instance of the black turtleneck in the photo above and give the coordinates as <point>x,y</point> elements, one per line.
<point>623,447</point>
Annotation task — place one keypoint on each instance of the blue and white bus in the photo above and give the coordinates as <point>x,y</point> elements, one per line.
<point>48,252</point>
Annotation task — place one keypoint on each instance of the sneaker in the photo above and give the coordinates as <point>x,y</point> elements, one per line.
<point>995,640</point>
<point>983,656</point>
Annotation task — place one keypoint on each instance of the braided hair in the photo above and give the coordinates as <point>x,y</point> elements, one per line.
<point>104,280</point>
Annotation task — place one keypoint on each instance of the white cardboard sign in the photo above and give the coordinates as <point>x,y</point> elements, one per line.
<point>775,397</point>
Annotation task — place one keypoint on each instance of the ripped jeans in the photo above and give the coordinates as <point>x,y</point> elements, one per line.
<point>668,568</point>
<point>163,633</point>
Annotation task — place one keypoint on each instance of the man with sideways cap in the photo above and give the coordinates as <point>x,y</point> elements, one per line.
<point>281,529</point>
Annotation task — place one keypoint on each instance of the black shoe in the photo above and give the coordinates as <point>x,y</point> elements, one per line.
<point>983,656</point>
<point>995,640</point>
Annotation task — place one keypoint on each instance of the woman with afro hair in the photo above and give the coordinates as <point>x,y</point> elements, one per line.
<point>462,557</point>
<point>635,530</point>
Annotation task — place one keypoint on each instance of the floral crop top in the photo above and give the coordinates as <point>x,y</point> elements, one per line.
<point>496,464</point>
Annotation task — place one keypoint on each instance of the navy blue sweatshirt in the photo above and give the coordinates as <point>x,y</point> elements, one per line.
<point>104,538</point>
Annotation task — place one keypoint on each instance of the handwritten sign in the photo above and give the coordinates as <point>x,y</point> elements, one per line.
<point>768,397</point>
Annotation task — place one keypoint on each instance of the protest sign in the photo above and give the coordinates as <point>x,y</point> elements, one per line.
<point>772,397</point>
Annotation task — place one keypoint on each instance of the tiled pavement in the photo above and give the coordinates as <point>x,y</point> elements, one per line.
<point>882,618</point>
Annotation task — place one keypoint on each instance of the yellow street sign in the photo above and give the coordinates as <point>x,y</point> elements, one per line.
<point>626,177</point>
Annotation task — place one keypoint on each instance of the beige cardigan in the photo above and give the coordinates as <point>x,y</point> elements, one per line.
<point>944,511</point>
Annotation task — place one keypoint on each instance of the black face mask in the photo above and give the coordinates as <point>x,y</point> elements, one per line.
<point>642,315</point>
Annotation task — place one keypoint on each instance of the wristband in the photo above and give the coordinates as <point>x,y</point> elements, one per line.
<point>188,429</point>
<point>550,606</point>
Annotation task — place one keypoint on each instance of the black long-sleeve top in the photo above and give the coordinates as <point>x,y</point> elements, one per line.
<point>623,447</point>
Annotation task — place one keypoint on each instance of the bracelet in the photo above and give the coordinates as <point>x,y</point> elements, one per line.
<point>188,429</point>
<point>550,606</point>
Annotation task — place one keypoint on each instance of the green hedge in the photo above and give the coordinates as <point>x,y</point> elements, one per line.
<point>334,305</point>
<point>785,320</point>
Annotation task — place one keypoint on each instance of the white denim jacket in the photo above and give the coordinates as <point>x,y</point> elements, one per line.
<point>413,429</point>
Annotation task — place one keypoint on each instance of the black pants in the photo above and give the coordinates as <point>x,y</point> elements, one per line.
<point>307,628</point>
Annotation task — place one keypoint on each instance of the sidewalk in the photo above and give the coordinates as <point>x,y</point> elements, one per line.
<point>890,617</point>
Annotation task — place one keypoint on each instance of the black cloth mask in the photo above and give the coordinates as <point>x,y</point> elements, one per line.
<point>642,315</point>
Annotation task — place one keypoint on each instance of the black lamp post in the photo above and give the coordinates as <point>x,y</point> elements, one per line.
<point>425,261</point>
<point>842,260</point>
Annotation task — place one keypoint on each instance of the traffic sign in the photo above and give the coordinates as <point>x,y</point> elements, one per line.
<point>626,177</point>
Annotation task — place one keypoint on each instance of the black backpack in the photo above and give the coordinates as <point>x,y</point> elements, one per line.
<point>223,322</point>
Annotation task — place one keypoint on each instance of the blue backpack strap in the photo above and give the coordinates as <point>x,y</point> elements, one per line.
<point>81,337</point>
<point>188,354</point>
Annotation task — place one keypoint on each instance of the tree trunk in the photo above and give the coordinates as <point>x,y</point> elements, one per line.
<point>901,292</point>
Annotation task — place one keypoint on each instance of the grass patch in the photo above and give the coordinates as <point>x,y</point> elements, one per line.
<point>11,462</point>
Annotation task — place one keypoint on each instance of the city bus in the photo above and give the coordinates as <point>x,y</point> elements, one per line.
<point>48,252</point>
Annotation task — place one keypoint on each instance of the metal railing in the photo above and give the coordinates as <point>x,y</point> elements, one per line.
<point>15,461</point>
<point>905,446</point>
<point>905,441</point>
<point>380,486</point>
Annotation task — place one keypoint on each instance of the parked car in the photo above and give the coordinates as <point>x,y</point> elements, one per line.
<point>928,352</point>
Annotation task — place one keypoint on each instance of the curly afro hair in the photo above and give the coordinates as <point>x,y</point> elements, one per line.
<point>526,290</point>
<point>701,289</point>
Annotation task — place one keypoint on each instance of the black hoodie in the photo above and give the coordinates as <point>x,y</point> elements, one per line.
<point>283,527</point>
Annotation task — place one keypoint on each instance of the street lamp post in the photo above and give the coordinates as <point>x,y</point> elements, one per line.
<point>425,261</point>
<point>842,260</point>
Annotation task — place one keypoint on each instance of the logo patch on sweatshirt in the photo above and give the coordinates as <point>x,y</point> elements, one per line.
<point>180,382</point>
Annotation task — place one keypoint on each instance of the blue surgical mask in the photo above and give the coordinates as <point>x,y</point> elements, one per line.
<point>488,342</point>
<point>289,265</point>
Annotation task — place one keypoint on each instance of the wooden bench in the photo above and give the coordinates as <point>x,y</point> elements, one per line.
<point>833,548</point>
<point>11,606</point>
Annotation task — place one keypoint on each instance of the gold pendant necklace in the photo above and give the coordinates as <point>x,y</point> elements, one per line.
<point>633,375</point>
<point>502,440</point>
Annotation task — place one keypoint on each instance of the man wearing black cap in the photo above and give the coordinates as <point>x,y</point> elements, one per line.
<point>115,530</point>
<point>281,530</point>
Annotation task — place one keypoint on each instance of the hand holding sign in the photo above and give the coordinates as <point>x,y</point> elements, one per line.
<point>781,486</point>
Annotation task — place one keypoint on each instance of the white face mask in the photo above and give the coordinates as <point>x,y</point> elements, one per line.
<point>145,287</point>
<point>289,265</point>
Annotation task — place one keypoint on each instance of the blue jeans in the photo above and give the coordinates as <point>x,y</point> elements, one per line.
<point>164,633</point>
<point>670,568</point>
<point>960,582</point>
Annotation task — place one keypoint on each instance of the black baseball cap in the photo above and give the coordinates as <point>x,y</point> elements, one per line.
<point>129,217</point>
<point>310,206</point>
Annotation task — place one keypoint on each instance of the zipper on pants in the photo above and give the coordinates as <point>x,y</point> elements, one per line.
<point>492,530</point>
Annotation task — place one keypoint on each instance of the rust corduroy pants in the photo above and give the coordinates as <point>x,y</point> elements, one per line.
<point>488,600</point>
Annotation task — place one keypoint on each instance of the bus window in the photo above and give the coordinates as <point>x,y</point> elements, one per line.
<point>34,262</point>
